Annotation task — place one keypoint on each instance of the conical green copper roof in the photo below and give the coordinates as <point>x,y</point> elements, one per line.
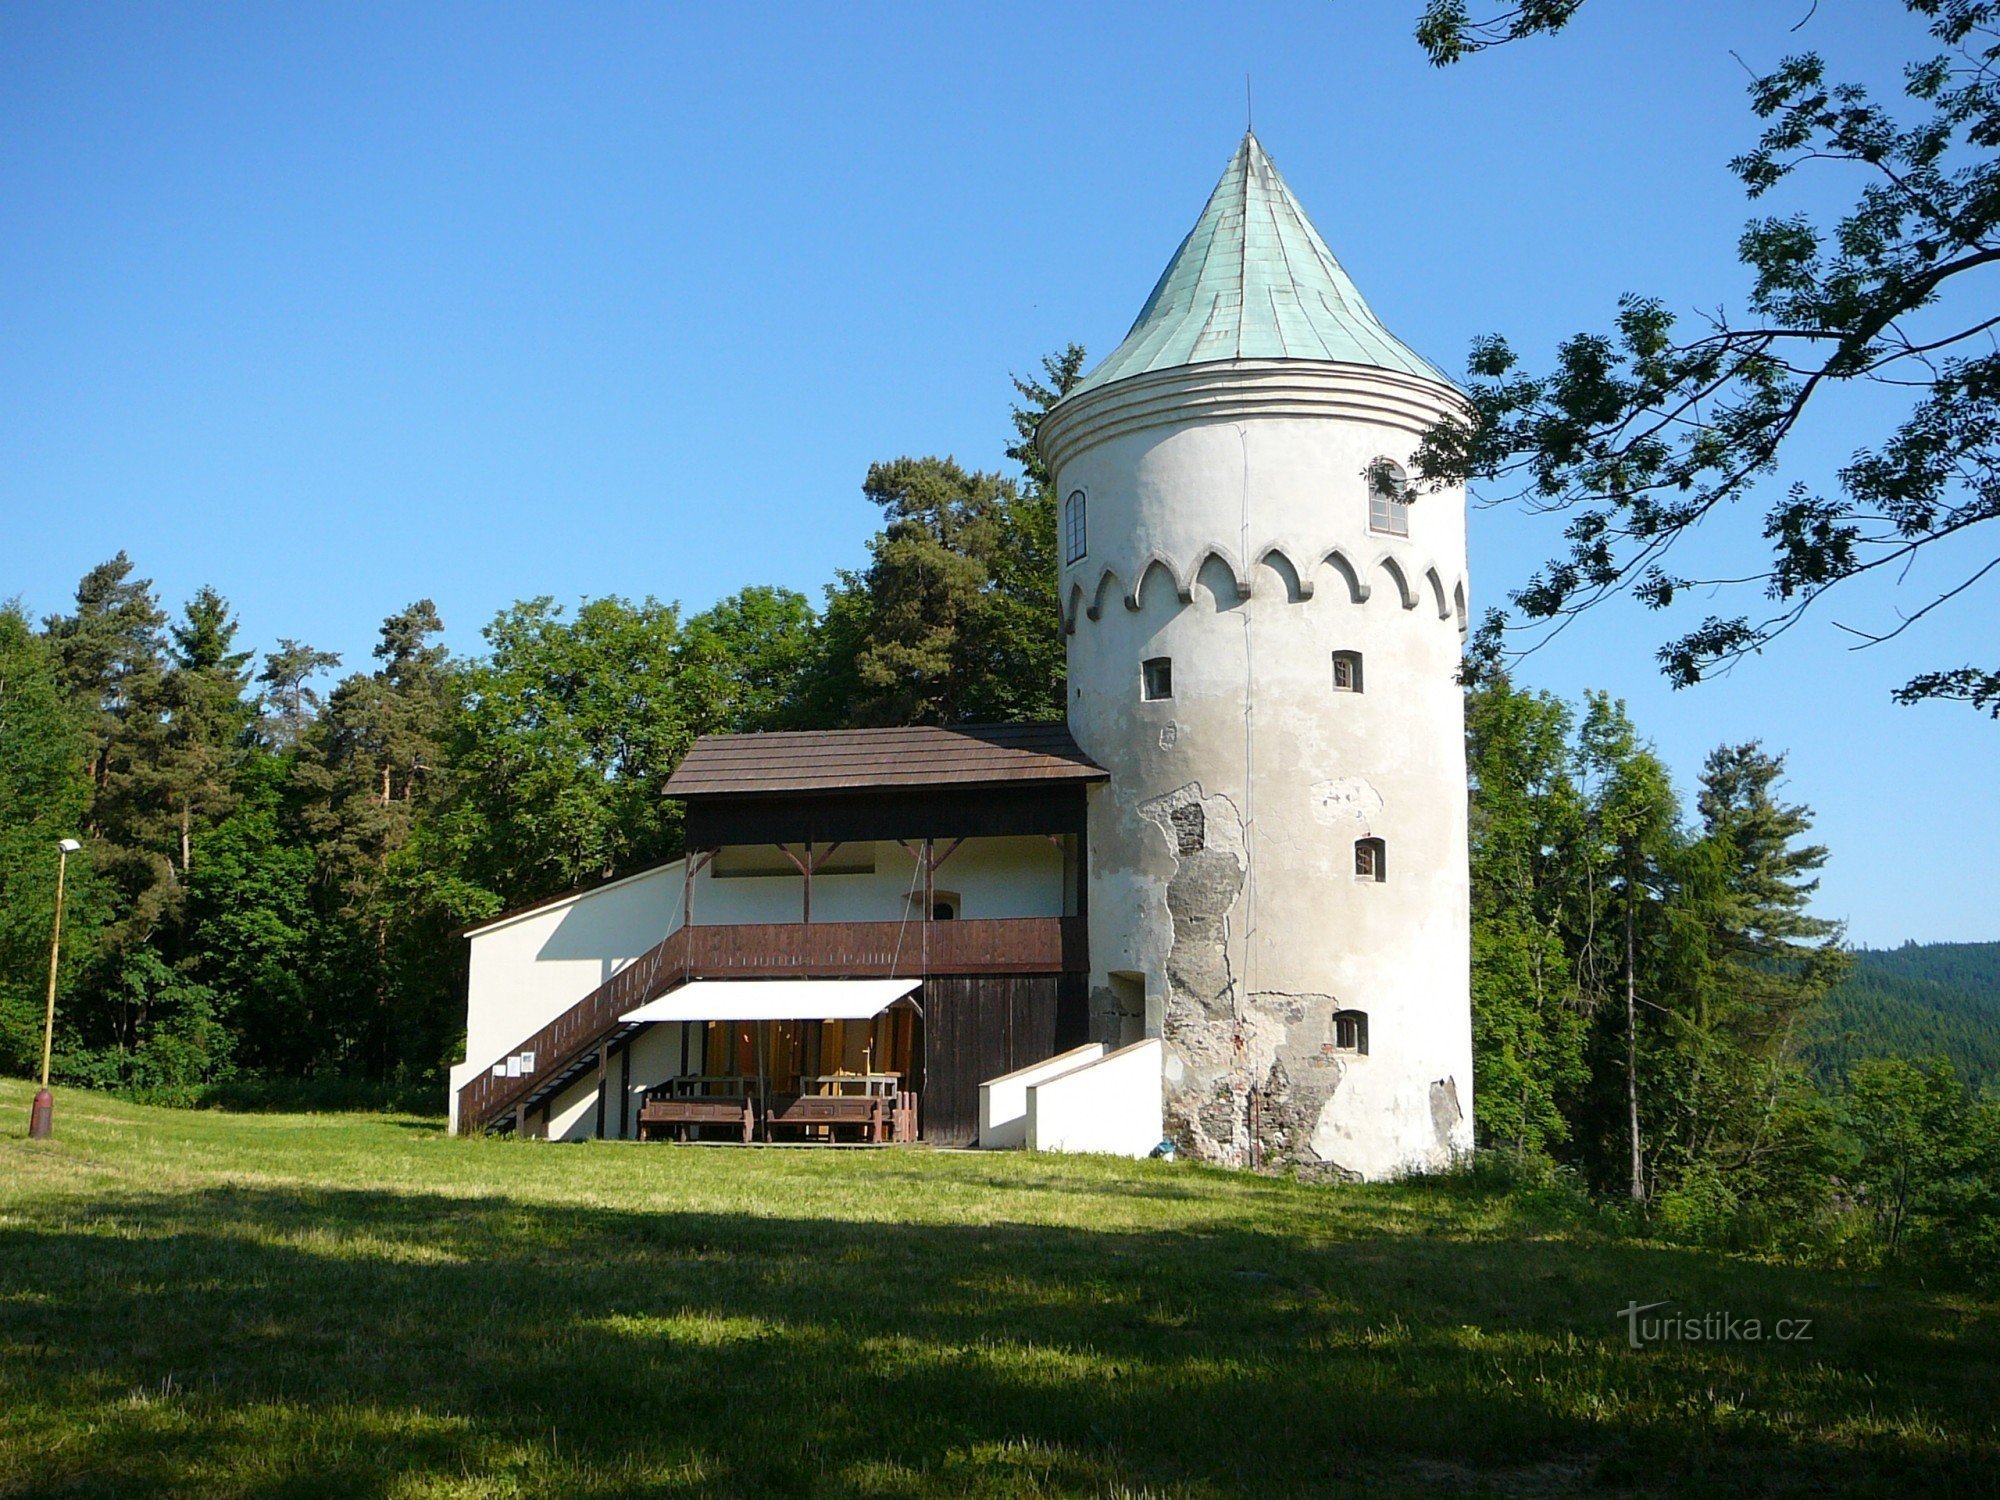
<point>1253,280</point>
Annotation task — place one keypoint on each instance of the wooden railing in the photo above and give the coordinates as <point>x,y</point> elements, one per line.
<point>819,950</point>
<point>876,950</point>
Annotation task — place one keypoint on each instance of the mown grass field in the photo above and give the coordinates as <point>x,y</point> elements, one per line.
<point>210,1304</point>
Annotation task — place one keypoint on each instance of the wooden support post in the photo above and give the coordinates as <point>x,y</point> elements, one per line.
<point>603,1080</point>
<point>624,1086</point>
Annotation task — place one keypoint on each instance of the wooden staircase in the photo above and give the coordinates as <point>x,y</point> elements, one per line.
<point>570,1043</point>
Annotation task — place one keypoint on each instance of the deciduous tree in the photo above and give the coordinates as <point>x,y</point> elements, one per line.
<point>1642,435</point>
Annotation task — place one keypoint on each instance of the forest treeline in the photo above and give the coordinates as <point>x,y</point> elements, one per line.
<point>1919,1000</point>
<point>279,848</point>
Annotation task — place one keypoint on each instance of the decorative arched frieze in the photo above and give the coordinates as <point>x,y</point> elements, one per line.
<point>1357,586</point>
<point>1107,584</point>
<point>1394,569</point>
<point>1156,566</point>
<point>1298,587</point>
<point>1229,564</point>
<point>1074,608</point>
<point>1437,592</point>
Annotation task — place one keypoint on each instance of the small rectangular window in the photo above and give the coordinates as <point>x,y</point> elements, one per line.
<point>1371,859</point>
<point>1156,678</point>
<point>1347,671</point>
<point>1386,513</point>
<point>1388,498</point>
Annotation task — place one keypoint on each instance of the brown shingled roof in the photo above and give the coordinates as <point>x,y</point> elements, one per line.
<point>865,759</point>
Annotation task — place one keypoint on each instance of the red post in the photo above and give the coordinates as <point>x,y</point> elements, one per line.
<point>42,1116</point>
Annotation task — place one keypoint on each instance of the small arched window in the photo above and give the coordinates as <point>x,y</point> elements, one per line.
<point>1156,678</point>
<point>1388,498</point>
<point>1076,536</point>
<point>1347,671</point>
<point>1350,1032</point>
<point>1371,860</point>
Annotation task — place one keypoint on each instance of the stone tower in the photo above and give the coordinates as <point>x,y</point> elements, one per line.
<point>1263,637</point>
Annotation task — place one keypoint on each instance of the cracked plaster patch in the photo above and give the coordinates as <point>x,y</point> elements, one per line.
<point>1345,800</point>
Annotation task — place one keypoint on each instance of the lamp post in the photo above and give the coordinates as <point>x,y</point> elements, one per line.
<point>42,1114</point>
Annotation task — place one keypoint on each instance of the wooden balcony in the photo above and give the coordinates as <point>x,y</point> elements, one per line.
<point>769,950</point>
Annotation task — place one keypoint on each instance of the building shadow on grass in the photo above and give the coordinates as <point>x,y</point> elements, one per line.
<point>267,1341</point>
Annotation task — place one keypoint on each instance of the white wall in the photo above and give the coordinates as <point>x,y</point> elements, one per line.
<point>1110,1106</point>
<point>526,971</point>
<point>1003,1101</point>
<point>997,877</point>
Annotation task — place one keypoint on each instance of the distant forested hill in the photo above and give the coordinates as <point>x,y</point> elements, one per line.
<point>1918,1000</point>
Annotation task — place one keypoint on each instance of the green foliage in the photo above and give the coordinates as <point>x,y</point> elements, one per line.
<point>1448,32</point>
<point>954,619</point>
<point>1639,984</point>
<point>960,600</point>
<point>44,795</point>
<point>1643,434</point>
<point>1928,1164</point>
<point>1919,1000</point>
<point>1527,822</point>
<point>289,700</point>
<point>743,661</point>
<point>568,729</point>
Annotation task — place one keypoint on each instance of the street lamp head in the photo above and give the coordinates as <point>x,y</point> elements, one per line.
<point>69,846</point>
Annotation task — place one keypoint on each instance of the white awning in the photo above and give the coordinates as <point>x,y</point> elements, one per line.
<point>776,1000</point>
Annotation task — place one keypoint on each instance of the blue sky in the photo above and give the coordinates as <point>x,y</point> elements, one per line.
<point>339,307</point>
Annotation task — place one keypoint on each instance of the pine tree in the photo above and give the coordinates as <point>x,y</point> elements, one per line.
<point>207,718</point>
<point>109,654</point>
<point>370,764</point>
<point>1633,822</point>
<point>290,704</point>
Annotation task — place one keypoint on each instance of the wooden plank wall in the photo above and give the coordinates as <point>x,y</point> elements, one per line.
<point>978,1026</point>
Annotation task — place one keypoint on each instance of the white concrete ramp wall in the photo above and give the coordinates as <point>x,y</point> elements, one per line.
<point>1003,1101</point>
<point>1111,1105</point>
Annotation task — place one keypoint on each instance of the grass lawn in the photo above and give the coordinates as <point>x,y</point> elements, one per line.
<point>211,1304</point>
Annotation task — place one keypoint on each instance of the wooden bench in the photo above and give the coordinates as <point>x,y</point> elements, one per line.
<point>680,1114</point>
<point>808,1112</point>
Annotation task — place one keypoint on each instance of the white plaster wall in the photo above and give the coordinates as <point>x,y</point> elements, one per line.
<point>1288,772</point>
<point>573,1112</point>
<point>1003,1101</point>
<point>527,971</point>
<point>1110,1106</point>
<point>998,877</point>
